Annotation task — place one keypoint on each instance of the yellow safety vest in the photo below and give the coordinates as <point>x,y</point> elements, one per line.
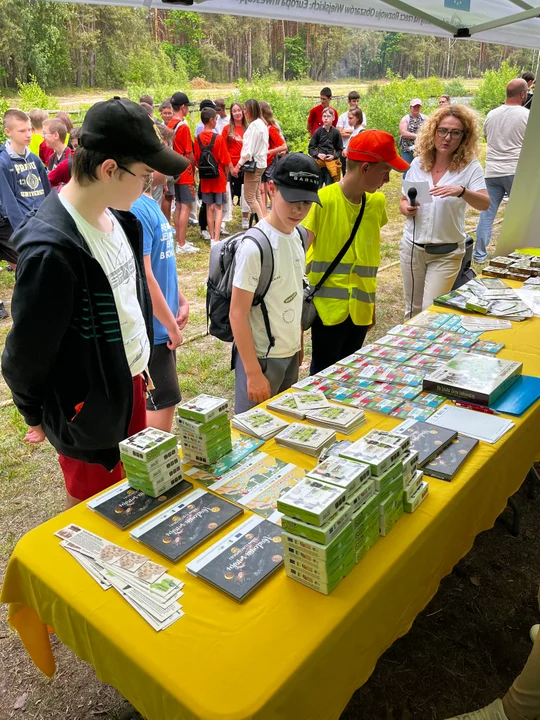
<point>350,290</point>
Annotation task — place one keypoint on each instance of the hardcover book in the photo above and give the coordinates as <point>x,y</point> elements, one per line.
<point>243,559</point>
<point>475,377</point>
<point>180,528</point>
<point>446,465</point>
<point>428,440</point>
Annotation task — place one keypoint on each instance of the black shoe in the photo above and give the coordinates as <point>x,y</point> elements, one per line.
<point>3,312</point>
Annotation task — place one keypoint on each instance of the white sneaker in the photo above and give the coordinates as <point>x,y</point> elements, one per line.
<point>224,230</point>
<point>205,235</point>
<point>495,711</point>
<point>533,632</point>
<point>186,249</point>
<point>192,220</point>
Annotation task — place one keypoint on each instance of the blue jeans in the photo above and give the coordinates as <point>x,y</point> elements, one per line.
<point>496,187</point>
<point>408,157</point>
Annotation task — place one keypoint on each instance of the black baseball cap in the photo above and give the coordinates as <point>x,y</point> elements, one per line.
<point>180,98</point>
<point>297,176</point>
<point>124,129</point>
<point>208,104</point>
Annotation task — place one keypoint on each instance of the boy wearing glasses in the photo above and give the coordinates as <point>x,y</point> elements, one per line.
<point>79,380</point>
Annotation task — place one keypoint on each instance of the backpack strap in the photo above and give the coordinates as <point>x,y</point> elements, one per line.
<point>210,144</point>
<point>265,278</point>
<point>304,238</point>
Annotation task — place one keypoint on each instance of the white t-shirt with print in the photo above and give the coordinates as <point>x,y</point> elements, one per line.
<point>284,297</point>
<point>443,220</point>
<point>113,252</point>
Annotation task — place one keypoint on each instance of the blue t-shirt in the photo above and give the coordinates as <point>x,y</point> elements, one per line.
<point>158,242</point>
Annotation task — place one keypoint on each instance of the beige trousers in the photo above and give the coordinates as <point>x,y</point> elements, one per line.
<point>522,701</point>
<point>426,276</point>
<point>252,192</point>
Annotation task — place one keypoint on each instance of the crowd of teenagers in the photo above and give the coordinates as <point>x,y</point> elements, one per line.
<point>92,218</point>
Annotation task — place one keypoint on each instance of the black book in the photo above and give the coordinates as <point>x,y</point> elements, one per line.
<point>184,525</point>
<point>123,505</point>
<point>446,465</point>
<point>243,559</point>
<point>428,439</point>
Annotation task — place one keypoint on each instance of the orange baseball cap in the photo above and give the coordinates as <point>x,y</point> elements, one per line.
<point>376,146</point>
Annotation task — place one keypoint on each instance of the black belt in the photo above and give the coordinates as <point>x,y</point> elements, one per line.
<point>442,249</point>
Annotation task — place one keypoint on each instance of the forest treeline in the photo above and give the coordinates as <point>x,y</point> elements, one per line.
<point>63,45</point>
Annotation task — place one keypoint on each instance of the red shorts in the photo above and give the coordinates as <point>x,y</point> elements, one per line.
<point>85,479</point>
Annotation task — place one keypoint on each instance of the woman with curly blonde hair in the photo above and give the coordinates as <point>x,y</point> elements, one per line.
<point>433,241</point>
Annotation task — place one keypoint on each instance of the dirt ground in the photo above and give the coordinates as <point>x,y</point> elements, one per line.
<point>462,651</point>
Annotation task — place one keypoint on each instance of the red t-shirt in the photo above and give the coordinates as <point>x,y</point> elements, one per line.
<point>234,144</point>
<point>275,139</point>
<point>221,154</point>
<point>183,145</point>
<point>45,153</point>
<point>315,117</point>
<point>60,176</point>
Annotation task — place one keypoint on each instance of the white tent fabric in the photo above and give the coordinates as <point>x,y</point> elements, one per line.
<point>509,22</point>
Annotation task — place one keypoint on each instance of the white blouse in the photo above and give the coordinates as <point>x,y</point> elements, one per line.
<point>255,143</point>
<point>443,220</point>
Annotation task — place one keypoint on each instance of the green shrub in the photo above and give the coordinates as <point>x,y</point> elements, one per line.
<point>4,105</point>
<point>31,96</point>
<point>492,90</point>
<point>385,105</point>
<point>289,107</point>
<point>455,88</point>
<point>151,71</point>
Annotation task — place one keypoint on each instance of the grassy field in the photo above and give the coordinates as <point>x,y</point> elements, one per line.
<point>31,491</point>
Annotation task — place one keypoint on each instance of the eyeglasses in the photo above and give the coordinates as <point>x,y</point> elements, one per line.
<point>454,134</point>
<point>146,183</point>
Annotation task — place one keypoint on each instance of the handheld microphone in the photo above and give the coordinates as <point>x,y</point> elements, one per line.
<point>412,193</point>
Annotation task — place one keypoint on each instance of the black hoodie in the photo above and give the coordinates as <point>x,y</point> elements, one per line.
<point>65,346</point>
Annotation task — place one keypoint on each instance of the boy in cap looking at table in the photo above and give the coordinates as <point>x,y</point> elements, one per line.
<point>263,371</point>
<point>79,379</point>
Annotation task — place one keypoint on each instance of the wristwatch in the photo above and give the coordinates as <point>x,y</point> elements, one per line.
<point>462,193</point>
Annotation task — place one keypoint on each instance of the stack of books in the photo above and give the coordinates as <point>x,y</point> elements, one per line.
<point>306,438</point>
<point>318,541</point>
<point>415,489</point>
<point>286,404</point>
<point>384,452</point>
<point>239,562</point>
<point>150,459</point>
<point>259,423</point>
<point>205,432</point>
<point>344,420</point>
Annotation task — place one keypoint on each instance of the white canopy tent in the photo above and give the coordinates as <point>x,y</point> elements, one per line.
<point>508,22</point>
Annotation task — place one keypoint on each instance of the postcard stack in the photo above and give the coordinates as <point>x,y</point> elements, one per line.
<point>259,423</point>
<point>143,584</point>
<point>306,438</point>
<point>151,461</point>
<point>205,431</point>
<point>318,540</point>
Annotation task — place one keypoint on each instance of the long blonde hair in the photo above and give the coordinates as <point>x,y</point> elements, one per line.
<point>467,149</point>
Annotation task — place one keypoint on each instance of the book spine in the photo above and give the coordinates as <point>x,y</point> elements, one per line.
<point>455,392</point>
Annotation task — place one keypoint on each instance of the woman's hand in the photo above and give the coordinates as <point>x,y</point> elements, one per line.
<point>411,210</point>
<point>234,171</point>
<point>444,191</point>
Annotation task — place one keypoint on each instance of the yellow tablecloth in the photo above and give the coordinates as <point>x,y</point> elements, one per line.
<point>287,652</point>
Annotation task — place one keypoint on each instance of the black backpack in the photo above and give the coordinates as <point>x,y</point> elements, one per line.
<point>221,276</point>
<point>208,165</point>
